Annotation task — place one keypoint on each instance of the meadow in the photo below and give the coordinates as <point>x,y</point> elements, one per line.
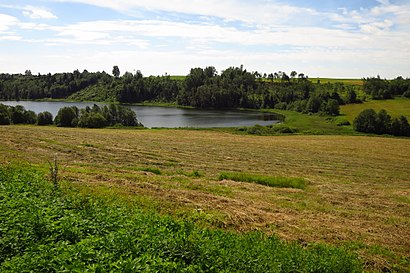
<point>395,107</point>
<point>355,196</point>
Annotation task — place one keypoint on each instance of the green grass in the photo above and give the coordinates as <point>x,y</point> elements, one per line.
<point>151,170</point>
<point>178,78</point>
<point>271,181</point>
<point>67,230</point>
<point>314,124</point>
<point>395,107</point>
<point>333,80</point>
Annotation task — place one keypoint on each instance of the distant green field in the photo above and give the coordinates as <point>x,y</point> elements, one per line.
<point>395,107</point>
<point>332,80</point>
<point>314,80</point>
<point>178,78</point>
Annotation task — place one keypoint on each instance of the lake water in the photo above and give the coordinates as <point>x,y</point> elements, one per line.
<point>168,117</point>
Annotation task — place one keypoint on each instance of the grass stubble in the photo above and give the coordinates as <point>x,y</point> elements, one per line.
<point>357,192</point>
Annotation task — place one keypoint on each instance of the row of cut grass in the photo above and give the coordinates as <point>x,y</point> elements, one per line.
<point>271,181</point>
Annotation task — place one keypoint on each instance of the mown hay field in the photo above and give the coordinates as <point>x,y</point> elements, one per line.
<point>357,193</point>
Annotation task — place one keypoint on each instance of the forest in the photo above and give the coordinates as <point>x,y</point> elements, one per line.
<point>234,87</point>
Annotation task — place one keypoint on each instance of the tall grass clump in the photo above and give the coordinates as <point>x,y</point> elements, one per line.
<point>271,181</point>
<point>44,230</point>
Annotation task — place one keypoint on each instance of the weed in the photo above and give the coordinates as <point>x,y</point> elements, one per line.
<point>54,172</point>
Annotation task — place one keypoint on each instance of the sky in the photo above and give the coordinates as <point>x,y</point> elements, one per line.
<point>339,39</point>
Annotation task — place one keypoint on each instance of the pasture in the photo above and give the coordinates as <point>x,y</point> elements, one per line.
<point>395,107</point>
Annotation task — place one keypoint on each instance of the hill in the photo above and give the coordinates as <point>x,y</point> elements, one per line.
<point>395,107</point>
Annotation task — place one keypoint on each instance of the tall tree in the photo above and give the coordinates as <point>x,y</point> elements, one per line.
<point>116,71</point>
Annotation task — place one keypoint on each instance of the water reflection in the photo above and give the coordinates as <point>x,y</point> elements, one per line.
<point>169,117</point>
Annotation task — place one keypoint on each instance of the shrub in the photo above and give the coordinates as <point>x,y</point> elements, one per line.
<point>44,118</point>
<point>4,115</point>
<point>366,121</point>
<point>332,107</point>
<point>19,115</point>
<point>92,120</point>
<point>281,106</point>
<point>67,117</point>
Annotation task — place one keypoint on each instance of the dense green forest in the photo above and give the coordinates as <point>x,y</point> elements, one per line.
<point>235,87</point>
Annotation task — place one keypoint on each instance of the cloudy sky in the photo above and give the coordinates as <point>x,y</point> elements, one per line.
<point>349,38</point>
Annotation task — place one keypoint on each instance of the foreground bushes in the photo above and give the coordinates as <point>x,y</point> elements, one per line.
<point>43,230</point>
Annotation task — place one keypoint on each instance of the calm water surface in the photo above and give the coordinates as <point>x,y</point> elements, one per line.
<point>168,117</point>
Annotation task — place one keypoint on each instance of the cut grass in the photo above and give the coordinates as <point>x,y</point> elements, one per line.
<point>354,181</point>
<point>281,182</point>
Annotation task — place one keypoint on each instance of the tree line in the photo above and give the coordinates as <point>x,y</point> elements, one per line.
<point>235,87</point>
<point>88,117</point>
<point>380,89</point>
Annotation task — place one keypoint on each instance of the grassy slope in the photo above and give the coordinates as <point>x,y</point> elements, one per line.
<point>395,107</point>
<point>314,124</point>
<point>357,193</point>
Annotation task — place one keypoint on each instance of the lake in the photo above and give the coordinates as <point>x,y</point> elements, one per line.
<point>168,117</point>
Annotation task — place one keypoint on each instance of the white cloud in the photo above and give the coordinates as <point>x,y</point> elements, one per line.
<point>10,38</point>
<point>6,21</point>
<point>264,12</point>
<point>37,13</point>
<point>276,37</point>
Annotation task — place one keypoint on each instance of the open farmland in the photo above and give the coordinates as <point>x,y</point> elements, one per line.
<point>395,107</point>
<point>357,192</point>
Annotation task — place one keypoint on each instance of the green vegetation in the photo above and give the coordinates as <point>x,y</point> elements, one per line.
<point>383,89</point>
<point>95,117</point>
<point>152,170</point>
<point>314,124</point>
<point>282,182</point>
<point>368,121</point>
<point>358,82</point>
<point>234,87</point>
<point>48,230</point>
<point>44,118</point>
<point>349,187</point>
<point>396,107</point>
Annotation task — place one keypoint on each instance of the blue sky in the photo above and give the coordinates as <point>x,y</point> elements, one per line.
<point>319,38</point>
